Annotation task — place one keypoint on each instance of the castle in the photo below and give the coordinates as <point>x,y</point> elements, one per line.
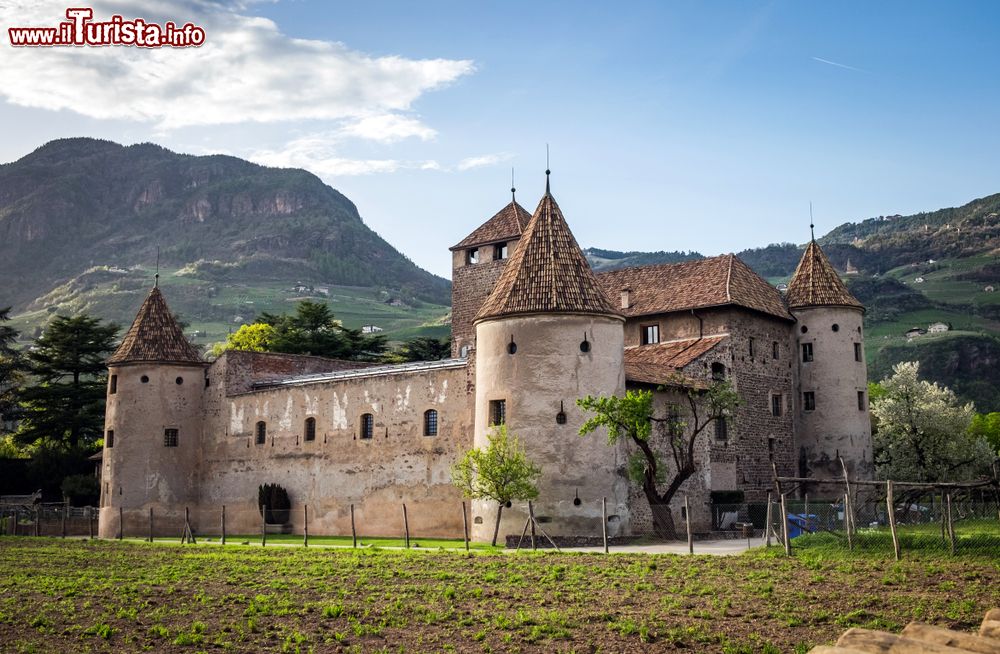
<point>533,330</point>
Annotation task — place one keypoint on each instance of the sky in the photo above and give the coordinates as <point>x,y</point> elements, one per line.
<point>670,125</point>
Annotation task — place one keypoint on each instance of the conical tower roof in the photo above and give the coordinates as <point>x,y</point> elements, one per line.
<point>547,272</point>
<point>507,224</point>
<point>815,283</point>
<point>155,337</point>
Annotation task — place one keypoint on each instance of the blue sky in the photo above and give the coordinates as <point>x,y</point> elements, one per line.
<point>705,126</point>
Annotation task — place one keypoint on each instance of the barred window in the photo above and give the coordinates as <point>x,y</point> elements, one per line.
<point>498,412</point>
<point>367,426</point>
<point>430,422</point>
<point>776,404</point>
<point>721,429</point>
<point>170,438</point>
<point>109,438</point>
<point>310,429</point>
<point>261,433</point>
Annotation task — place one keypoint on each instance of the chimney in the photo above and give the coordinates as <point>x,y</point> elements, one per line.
<point>626,299</point>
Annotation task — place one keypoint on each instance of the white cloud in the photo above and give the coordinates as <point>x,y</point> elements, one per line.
<point>483,160</point>
<point>247,71</point>
<point>319,154</point>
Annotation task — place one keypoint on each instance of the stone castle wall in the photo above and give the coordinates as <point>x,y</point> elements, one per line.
<point>471,285</point>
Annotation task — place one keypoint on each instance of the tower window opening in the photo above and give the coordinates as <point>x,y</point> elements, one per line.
<point>561,416</point>
<point>585,344</point>
<point>775,350</point>
<point>472,256</point>
<point>807,352</point>
<point>179,381</point>
<point>261,433</point>
<point>512,346</point>
<point>804,329</point>
<point>857,351</point>
<point>750,343</point>
<point>500,251</point>
<point>310,429</point>
<point>113,385</point>
<point>367,426</point>
<point>776,404</point>
<point>718,371</point>
<point>498,412</point>
<point>650,334</point>
<point>170,438</point>
<point>862,403</point>
<point>430,422</point>
<point>109,439</point>
<point>144,379</point>
<point>809,401</point>
<point>835,327</point>
<point>721,429</point>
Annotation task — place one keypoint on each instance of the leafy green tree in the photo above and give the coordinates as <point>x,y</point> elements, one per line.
<point>987,427</point>
<point>314,330</point>
<point>256,337</point>
<point>501,473</point>
<point>426,349</point>
<point>10,369</point>
<point>632,417</point>
<point>64,406</point>
<point>923,431</point>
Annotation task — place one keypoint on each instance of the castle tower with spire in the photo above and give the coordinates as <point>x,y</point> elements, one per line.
<point>153,423</point>
<point>831,419</point>
<point>546,336</point>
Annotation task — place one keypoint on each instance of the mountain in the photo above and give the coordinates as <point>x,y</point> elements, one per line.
<point>82,220</point>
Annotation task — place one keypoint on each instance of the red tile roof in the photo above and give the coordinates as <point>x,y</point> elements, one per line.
<point>155,337</point>
<point>506,225</point>
<point>547,273</point>
<point>662,363</point>
<point>816,283</point>
<point>716,281</point>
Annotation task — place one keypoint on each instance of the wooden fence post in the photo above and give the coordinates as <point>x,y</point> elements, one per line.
<point>38,522</point>
<point>767,522</point>
<point>223,524</point>
<point>847,521</point>
<point>531,518</point>
<point>687,521</point>
<point>465,527</point>
<point>354,533</point>
<point>892,518</point>
<point>951,526</point>
<point>263,525</point>
<point>64,512</point>
<point>150,524</point>
<point>406,528</point>
<point>805,510</point>
<point>784,527</point>
<point>604,522</point>
<point>121,523</point>
<point>305,525</point>
<point>90,522</point>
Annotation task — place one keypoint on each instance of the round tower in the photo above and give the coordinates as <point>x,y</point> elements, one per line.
<point>152,424</point>
<point>832,419</point>
<point>546,336</point>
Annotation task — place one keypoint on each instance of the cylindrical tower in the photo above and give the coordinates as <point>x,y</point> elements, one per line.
<point>832,420</point>
<point>547,336</point>
<point>153,422</point>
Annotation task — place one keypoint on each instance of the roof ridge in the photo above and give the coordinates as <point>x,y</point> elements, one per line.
<point>729,279</point>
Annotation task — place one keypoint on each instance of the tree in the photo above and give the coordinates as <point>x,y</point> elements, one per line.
<point>923,431</point>
<point>248,338</point>
<point>631,417</point>
<point>64,407</point>
<point>314,330</point>
<point>500,473</point>
<point>987,427</point>
<point>426,349</point>
<point>10,368</point>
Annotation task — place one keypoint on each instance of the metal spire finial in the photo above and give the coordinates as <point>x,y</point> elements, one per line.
<point>512,189</point>
<point>812,233</point>
<point>547,171</point>
<point>156,277</point>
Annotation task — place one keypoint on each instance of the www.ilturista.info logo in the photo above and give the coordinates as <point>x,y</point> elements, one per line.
<point>80,29</point>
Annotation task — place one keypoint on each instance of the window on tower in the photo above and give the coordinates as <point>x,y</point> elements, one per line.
<point>857,351</point>
<point>169,438</point>
<point>113,385</point>
<point>775,350</point>
<point>862,403</point>
<point>498,412</point>
<point>809,401</point>
<point>721,429</point>
<point>109,438</point>
<point>807,352</point>
<point>472,256</point>
<point>500,251</point>
<point>776,404</point>
<point>750,344</point>
<point>718,371</point>
<point>650,334</point>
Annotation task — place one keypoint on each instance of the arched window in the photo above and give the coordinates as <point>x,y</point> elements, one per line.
<point>310,429</point>
<point>718,371</point>
<point>367,426</point>
<point>261,432</point>
<point>430,422</point>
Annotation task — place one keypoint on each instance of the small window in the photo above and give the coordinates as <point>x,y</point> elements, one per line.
<point>512,346</point>
<point>463,351</point>
<point>750,346</point>
<point>430,422</point>
<point>109,438</point>
<point>472,256</point>
<point>862,404</point>
<point>804,329</point>
<point>113,385</point>
<point>775,404</point>
<point>650,334</point>
<point>500,251</point>
<point>144,379</point>
<point>179,381</point>
<point>721,429</point>
<point>775,350</point>
<point>807,352</point>
<point>310,429</point>
<point>718,371</point>
<point>561,418</point>
<point>835,327</point>
<point>585,346</point>
<point>857,351</point>
<point>261,433</point>
<point>498,412</point>
<point>367,426</point>
<point>169,438</point>
<point>809,401</point>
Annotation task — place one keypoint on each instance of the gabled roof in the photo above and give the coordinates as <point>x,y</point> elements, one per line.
<point>816,283</point>
<point>155,337</point>
<point>662,363</point>
<point>713,282</point>
<point>507,224</point>
<point>547,273</point>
